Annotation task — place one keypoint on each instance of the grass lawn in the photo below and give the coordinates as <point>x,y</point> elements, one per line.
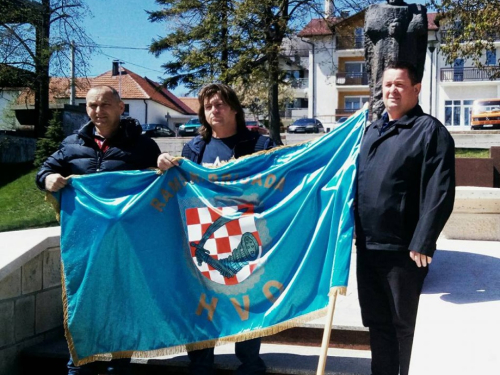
<point>22,204</point>
<point>472,153</point>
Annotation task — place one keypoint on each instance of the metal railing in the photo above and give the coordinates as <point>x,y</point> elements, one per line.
<point>350,42</point>
<point>457,32</point>
<point>349,78</point>
<point>300,83</point>
<point>467,74</point>
<point>345,111</point>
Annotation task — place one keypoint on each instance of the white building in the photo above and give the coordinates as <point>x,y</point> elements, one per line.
<point>338,83</point>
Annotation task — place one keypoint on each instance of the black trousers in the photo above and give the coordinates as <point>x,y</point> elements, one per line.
<point>389,286</point>
<point>202,360</point>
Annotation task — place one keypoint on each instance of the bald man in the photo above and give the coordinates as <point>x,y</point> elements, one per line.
<point>106,143</point>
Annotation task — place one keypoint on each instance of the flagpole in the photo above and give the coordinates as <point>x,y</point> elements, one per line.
<point>326,333</point>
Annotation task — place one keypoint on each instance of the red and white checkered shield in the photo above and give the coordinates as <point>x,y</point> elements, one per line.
<point>224,241</point>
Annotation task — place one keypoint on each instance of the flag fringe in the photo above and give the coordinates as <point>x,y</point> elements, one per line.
<point>149,354</point>
<point>49,197</point>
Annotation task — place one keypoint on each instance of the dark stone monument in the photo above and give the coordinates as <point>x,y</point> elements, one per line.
<point>394,31</point>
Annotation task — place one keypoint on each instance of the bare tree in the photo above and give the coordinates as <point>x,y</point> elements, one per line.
<point>36,36</point>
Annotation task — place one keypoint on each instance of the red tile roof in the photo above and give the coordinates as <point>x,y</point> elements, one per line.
<point>318,27</point>
<point>191,103</point>
<point>130,84</point>
<point>431,21</point>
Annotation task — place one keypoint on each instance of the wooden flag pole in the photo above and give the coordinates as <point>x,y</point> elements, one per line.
<point>326,333</point>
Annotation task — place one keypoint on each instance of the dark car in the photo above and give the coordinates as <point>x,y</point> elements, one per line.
<point>256,126</point>
<point>190,127</point>
<point>306,125</point>
<point>157,130</point>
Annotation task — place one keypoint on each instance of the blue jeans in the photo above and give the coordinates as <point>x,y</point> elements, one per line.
<point>202,361</point>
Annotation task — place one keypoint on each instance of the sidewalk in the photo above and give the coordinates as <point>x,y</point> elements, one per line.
<point>458,328</point>
<point>458,322</point>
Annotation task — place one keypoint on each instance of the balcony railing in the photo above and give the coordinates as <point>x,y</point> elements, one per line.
<point>349,78</point>
<point>345,111</point>
<point>457,32</point>
<point>300,83</point>
<point>467,74</point>
<point>350,42</point>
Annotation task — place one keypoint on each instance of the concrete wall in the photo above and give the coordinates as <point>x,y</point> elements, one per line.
<point>30,307</point>
<point>16,149</point>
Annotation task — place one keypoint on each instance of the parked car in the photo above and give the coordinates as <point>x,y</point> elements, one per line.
<point>157,130</point>
<point>341,120</point>
<point>256,126</point>
<point>190,127</point>
<point>306,125</point>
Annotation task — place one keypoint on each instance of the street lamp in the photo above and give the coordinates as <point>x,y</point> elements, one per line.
<point>432,42</point>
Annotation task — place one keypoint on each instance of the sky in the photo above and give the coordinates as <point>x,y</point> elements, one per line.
<point>124,24</point>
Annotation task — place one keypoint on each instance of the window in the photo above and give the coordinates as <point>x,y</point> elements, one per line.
<point>353,103</point>
<point>457,112</point>
<point>491,57</point>
<point>126,112</point>
<point>359,37</point>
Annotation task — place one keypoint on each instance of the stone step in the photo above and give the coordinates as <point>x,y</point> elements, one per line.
<point>293,351</point>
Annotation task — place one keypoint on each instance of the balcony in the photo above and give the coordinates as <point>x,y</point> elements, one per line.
<point>458,32</point>
<point>351,79</point>
<point>350,42</point>
<point>299,83</point>
<point>345,111</point>
<point>467,74</point>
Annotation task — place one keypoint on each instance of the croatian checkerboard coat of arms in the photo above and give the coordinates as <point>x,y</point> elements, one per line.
<point>224,241</point>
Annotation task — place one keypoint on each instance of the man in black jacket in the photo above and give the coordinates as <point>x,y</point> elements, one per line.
<point>223,135</point>
<point>104,144</point>
<point>405,194</point>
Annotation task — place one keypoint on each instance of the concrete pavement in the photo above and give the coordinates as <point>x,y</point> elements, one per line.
<point>458,328</point>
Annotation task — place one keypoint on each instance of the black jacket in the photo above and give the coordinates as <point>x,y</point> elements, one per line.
<point>79,154</point>
<point>405,184</point>
<point>248,143</point>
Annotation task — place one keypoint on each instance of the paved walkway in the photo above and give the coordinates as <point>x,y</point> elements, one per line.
<point>458,324</point>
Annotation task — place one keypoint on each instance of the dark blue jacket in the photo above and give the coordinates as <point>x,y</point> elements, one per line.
<point>405,184</point>
<point>248,143</point>
<point>79,154</point>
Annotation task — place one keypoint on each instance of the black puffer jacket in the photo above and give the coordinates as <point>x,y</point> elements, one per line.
<point>79,154</point>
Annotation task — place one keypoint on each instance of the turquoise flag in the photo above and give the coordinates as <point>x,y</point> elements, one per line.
<point>157,263</point>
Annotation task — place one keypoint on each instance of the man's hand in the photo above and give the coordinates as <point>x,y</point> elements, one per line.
<point>55,182</point>
<point>166,161</point>
<point>421,259</point>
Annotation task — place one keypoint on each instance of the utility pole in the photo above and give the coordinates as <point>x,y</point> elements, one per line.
<point>72,95</point>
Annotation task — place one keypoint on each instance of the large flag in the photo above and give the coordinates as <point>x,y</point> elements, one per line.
<point>157,263</point>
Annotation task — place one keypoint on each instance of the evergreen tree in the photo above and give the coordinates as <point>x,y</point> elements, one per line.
<point>49,144</point>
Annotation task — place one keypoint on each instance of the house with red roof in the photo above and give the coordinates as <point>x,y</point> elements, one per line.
<point>145,100</point>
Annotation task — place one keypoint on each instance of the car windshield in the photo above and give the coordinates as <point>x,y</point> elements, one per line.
<point>304,121</point>
<point>252,123</point>
<point>193,121</point>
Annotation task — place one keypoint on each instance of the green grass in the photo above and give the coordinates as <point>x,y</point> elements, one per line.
<point>472,153</point>
<point>22,204</point>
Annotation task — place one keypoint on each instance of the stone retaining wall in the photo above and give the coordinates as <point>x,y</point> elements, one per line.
<point>30,307</point>
<point>476,215</point>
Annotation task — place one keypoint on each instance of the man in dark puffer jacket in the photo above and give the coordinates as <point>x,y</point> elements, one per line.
<point>104,144</point>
